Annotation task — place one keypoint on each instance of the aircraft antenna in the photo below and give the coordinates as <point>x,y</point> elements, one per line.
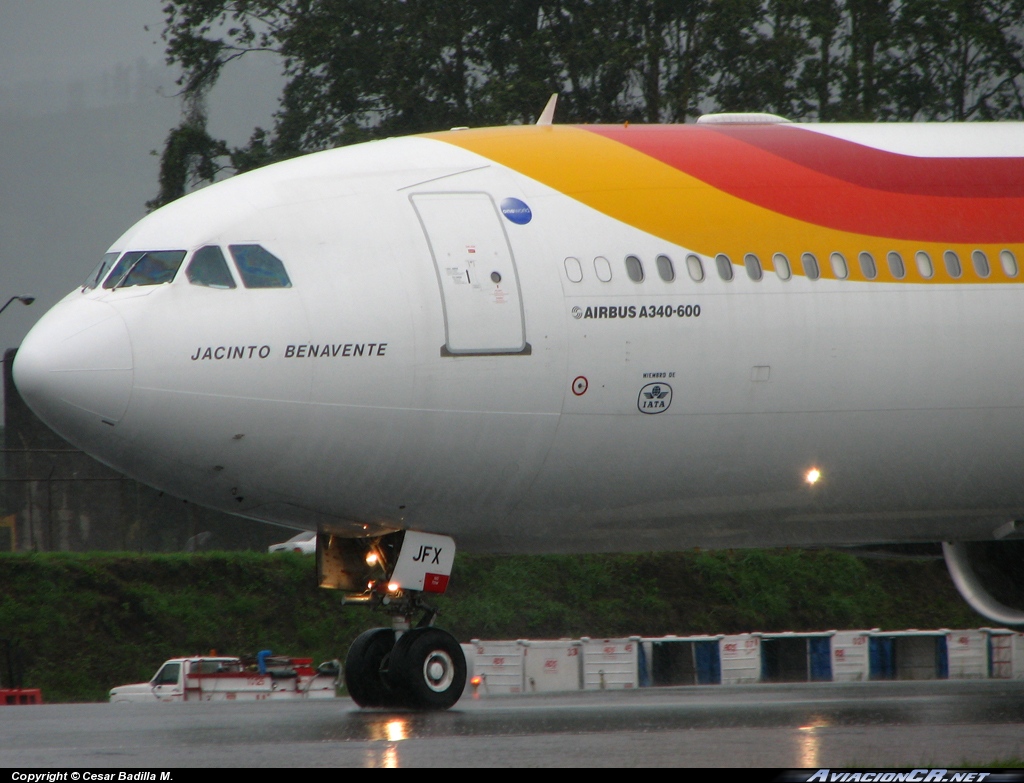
<point>547,116</point>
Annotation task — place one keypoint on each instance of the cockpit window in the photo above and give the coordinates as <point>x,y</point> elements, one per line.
<point>259,268</point>
<point>98,273</point>
<point>209,268</point>
<point>126,262</point>
<point>145,268</point>
<point>154,268</point>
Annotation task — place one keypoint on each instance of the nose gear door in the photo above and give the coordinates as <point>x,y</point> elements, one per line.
<point>476,272</point>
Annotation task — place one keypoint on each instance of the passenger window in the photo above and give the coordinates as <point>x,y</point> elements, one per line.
<point>666,271</point>
<point>924,264</point>
<point>101,269</point>
<point>209,268</point>
<point>782,268</point>
<point>810,266</point>
<point>573,270</point>
<point>753,265</point>
<point>839,267</point>
<point>980,263</point>
<point>126,262</point>
<point>1009,262</point>
<point>952,263</point>
<point>867,265</point>
<point>695,268</point>
<point>634,269</point>
<point>724,266</point>
<point>602,269</point>
<point>899,271</point>
<point>259,268</point>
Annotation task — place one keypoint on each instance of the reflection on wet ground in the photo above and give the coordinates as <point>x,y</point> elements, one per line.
<point>802,725</point>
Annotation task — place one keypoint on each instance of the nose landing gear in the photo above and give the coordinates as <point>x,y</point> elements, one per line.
<point>427,669</point>
<point>366,682</point>
<point>420,668</point>
<point>423,668</point>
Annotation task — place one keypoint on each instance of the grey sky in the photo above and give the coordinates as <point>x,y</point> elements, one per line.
<point>66,39</point>
<point>85,96</point>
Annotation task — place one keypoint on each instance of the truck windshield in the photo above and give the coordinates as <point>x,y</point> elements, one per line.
<point>168,675</point>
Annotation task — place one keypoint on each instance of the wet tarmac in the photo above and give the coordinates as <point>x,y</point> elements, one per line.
<point>898,724</point>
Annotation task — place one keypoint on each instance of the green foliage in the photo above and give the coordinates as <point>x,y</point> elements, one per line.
<point>357,70</point>
<point>88,622</point>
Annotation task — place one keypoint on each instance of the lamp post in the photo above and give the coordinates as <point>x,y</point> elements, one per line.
<point>25,300</point>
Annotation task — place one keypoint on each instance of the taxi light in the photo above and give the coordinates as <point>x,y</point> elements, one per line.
<point>372,559</point>
<point>394,587</point>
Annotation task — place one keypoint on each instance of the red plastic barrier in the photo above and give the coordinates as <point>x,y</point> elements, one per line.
<point>14,696</point>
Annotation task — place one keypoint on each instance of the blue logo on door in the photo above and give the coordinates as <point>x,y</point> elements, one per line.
<point>516,211</point>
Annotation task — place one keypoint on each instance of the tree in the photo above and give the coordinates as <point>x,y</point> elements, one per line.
<point>963,60</point>
<point>362,69</point>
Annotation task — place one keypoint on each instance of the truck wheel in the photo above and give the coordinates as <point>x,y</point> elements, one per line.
<point>428,668</point>
<point>363,677</point>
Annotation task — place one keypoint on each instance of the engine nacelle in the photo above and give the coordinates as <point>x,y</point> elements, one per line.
<point>989,576</point>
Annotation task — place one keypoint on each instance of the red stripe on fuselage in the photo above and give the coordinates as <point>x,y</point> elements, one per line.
<point>843,185</point>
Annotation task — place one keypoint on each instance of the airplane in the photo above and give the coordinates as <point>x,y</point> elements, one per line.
<point>738,332</point>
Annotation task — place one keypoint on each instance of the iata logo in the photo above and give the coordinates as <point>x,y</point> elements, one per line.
<point>654,398</point>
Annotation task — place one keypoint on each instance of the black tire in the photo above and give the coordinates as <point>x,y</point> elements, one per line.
<point>428,668</point>
<point>363,677</point>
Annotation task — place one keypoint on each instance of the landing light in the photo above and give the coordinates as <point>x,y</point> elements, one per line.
<point>812,476</point>
<point>371,558</point>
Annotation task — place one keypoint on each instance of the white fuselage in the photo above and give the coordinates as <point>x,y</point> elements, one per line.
<point>396,385</point>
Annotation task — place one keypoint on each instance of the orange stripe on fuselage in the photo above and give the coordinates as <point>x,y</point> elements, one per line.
<point>642,191</point>
<point>837,183</point>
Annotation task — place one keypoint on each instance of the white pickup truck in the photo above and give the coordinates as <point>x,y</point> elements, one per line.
<point>217,679</point>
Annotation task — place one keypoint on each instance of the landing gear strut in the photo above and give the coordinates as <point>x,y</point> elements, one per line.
<point>419,667</point>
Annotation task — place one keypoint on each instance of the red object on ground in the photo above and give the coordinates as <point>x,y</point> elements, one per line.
<point>14,696</point>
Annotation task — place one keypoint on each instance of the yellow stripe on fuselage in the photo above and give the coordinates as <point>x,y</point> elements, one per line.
<point>663,201</point>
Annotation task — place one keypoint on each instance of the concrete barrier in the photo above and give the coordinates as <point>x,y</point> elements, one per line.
<point>552,666</point>
<point>610,664</point>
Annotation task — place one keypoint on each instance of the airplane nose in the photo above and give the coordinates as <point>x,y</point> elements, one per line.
<point>75,369</point>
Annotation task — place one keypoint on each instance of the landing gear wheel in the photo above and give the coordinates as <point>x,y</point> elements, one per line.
<point>363,678</point>
<point>428,668</point>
